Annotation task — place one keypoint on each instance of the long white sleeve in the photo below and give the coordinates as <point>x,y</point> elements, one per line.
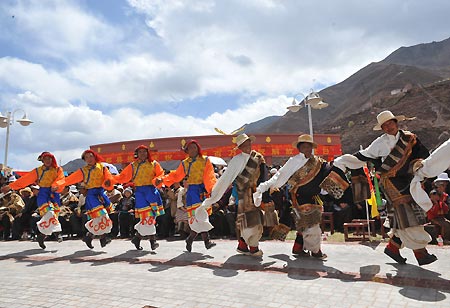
<point>180,197</point>
<point>282,176</point>
<point>234,168</point>
<point>436,163</point>
<point>348,161</point>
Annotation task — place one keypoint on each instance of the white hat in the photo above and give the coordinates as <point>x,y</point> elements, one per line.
<point>73,188</point>
<point>129,190</point>
<point>385,116</point>
<point>34,187</point>
<point>442,177</point>
<point>304,138</point>
<point>242,138</point>
<point>119,186</point>
<point>273,171</point>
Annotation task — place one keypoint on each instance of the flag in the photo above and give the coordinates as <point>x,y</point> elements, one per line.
<point>373,197</point>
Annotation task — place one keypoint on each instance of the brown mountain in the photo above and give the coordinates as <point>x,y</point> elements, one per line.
<point>410,81</point>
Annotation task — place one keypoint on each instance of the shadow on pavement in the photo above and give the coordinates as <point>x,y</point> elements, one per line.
<point>233,264</point>
<point>410,277</point>
<point>184,259</point>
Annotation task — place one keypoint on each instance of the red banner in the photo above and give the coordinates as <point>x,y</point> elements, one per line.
<point>274,150</point>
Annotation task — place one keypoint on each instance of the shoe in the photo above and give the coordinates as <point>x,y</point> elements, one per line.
<point>40,239</point>
<point>245,251</point>
<point>209,244</point>
<point>105,241</point>
<point>319,255</point>
<point>396,256</point>
<point>153,244</point>
<point>300,253</point>
<point>137,242</point>
<point>258,253</point>
<point>427,259</point>
<point>88,240</point>
<point>189,244</point>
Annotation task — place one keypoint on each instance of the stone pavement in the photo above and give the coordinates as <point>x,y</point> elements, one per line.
<point>68,274</point>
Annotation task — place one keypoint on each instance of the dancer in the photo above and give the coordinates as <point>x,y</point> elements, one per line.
<point>198,172</point>
<point>148,200</point>
<point>397,155</point>
<point>246,170</point>
<point>303,172</point>
<point>96,178</point>
<point>50,178</point>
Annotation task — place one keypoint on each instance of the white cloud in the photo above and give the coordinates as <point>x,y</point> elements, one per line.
<point>84,79</point>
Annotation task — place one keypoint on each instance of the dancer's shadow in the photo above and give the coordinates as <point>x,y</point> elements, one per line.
<point>309,268</point>
<point>24,256</point>
<point>235,263</point>
<point>184,259</point>
<point>411,277</point>
<point>131,256</point>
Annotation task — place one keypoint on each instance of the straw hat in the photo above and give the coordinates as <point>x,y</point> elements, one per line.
<point>385,116</point>
<point>304,138</point>
<point>26,189</point>
<point>442,177</point>
<point>242,138</point>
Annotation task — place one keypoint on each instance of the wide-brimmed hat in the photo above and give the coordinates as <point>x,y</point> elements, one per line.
<point>442,177</point>
<point>34,186</point>
<point>385,116</point>
<point>26,189</point>
<point>304,138</point>
<point>242,138</point>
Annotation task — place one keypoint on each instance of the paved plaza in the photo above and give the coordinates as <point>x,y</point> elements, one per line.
<point>68,274</point>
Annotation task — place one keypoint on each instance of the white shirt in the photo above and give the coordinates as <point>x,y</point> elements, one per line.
<point>283,175</point>
<point>379,148</point>
<point>234,168</point>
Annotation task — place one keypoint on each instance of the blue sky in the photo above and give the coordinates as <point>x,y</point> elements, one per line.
<point>89,72</point>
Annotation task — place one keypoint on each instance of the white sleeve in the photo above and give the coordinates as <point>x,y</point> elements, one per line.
<point>436,163</point>
<point>283,175</point>
<point>180,197</point>
<point>348,161</point>
<point>235,166</point>
<point>375,148</point>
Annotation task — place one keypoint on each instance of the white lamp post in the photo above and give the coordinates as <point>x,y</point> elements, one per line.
<point>312,100</point>
<point>6,121</point>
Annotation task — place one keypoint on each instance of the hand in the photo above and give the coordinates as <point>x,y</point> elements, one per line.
<point>158,182</point>
<point>108,183</point>
<point>257,197</point>
<point>5,189</point>
<point>54,188</point>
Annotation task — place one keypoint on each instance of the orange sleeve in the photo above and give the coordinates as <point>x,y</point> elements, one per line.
<point>74,178</point>
<point>107,176</point>
<point>27,179</point>
<point>124,176</point>
<point>60,181</point>
<point>209,177</point>
<point>159,171</point>
<point>174,176</point>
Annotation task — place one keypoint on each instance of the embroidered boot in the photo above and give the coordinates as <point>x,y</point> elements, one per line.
<point>393,250</point>
<point>40,238</point>
<point>136,240</point>
<point>153,243</point>
<point>190,239</point>
<point>423,257</point>
<point>207,241</point>
<point>255,251</point>
<point>242,247</point>
<point>319,255</point>
<point>88,240</point>
<point>297,249</point>
<point>104,240</point>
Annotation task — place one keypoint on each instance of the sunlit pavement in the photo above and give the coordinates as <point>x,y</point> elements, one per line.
<point>69,274</point>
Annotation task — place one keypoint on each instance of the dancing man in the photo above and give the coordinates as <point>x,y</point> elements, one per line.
<point>246,170</point>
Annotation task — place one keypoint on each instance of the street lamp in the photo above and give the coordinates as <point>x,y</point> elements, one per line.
<point>6,121</point>
<point>312,100</point>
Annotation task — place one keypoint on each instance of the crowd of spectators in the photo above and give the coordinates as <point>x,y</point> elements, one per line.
<point>19,214</point>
